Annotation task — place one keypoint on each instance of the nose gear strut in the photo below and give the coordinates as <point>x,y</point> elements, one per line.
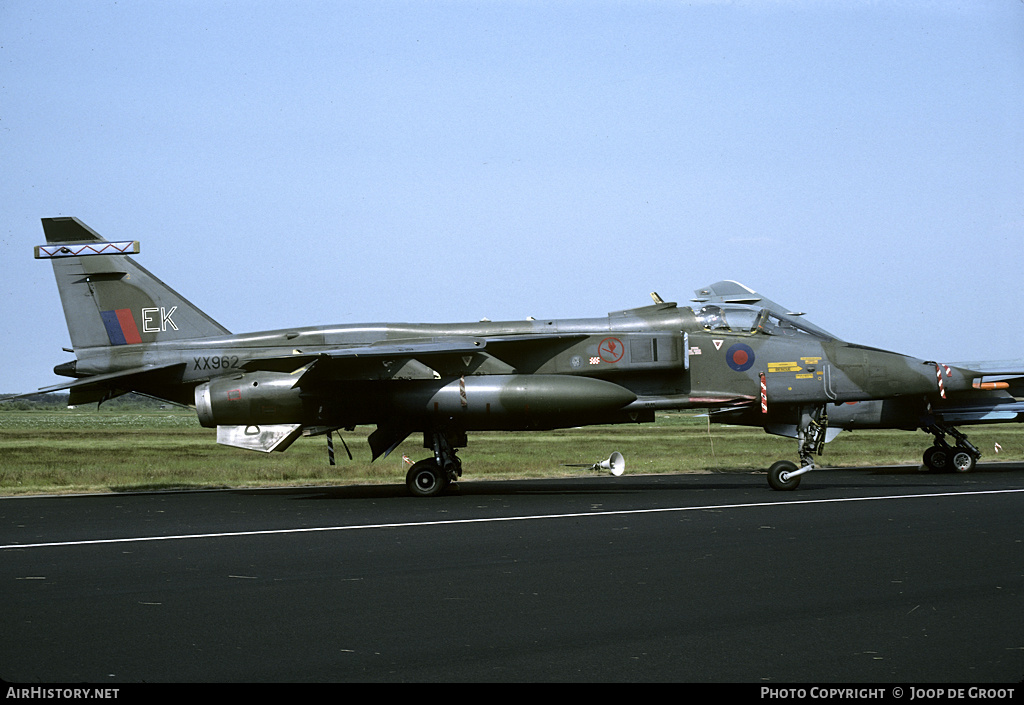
<point>811,432</point>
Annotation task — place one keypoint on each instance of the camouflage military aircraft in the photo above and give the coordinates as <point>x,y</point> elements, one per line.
<point>261,391</point>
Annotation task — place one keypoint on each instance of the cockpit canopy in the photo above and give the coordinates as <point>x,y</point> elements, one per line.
<point>751,319</point>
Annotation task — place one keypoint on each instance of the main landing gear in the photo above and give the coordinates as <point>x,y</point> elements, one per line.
<point>432,476</point>
<point>942,457</point>
<point>785,475</point>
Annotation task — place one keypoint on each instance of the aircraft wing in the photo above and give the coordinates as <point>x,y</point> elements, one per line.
<point>427,358</point>
<point>1004,368</point>
<point>981,412</point>
<point>430,346</point>
<point>1005,375</point>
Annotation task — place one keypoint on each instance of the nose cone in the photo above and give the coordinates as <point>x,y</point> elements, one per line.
<point>866,373</point>
<point>890,374</point>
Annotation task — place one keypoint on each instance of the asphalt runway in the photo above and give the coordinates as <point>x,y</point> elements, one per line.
<point>882,575</point>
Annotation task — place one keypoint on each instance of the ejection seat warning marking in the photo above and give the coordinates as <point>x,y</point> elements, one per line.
<point>611,350</point>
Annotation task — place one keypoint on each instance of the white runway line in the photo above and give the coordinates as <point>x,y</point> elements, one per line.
<point>486,520</point>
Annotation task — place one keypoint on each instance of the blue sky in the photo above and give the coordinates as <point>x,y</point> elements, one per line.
<point>301,163</point>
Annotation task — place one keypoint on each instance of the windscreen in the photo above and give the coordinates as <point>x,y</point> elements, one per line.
<point>748,319</point>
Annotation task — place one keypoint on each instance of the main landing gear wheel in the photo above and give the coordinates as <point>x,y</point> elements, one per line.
<point>426,479</point>
<point>939,459</point>
<point>961,461</point>
<point>775,476</point>
<point>936,458</point>
<point>943,457</point>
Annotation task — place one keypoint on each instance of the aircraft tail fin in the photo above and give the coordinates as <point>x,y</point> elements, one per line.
<point>108,298</point>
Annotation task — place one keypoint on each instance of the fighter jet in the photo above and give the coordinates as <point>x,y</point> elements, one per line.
<point>130,332</point>
<point>996,395</point>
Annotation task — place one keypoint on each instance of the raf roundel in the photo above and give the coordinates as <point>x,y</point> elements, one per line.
<point>740,357</point>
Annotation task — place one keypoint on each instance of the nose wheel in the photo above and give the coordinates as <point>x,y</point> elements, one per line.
<point>780,476</point>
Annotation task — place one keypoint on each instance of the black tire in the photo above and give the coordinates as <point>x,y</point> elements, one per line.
<point>775,476</point>
<point>936,459</point>
<point>426,479</point>
<point>961,461</point>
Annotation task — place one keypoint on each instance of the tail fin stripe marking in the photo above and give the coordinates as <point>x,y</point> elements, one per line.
<point>113,327</point>
<point>121,327</point>
<point>128,327</point>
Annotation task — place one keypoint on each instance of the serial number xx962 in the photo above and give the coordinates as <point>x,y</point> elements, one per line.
<point>224,362</point>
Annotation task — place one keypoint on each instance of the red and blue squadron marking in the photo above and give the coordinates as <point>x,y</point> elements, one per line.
<point>121,327</point>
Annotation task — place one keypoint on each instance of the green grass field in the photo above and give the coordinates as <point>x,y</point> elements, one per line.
<point>114,450</point>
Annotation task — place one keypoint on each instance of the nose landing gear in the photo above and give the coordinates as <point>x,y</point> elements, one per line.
<point>784,475</point>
